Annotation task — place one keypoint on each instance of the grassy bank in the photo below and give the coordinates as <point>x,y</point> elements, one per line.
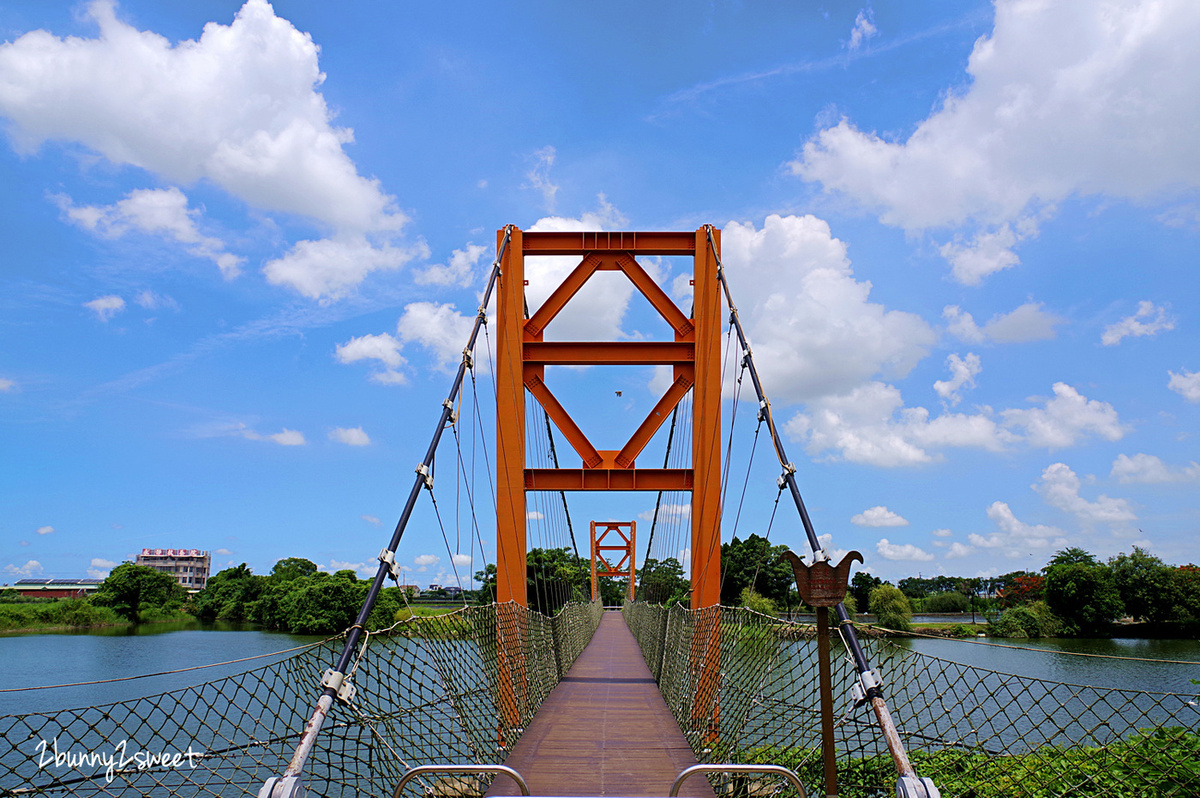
<point>63,614</point>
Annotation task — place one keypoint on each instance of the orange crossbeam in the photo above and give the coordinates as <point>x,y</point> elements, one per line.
<point>641,243</point>
<point>608,353</point>
<point>608,479</point>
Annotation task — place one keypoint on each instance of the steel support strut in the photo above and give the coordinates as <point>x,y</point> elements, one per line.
<point>868,679</point>
<point>290,785</point>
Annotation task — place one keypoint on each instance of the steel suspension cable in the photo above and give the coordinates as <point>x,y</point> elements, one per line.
<point>868,679</point>
<point>387,562</point>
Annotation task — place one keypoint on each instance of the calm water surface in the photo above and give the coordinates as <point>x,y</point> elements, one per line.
<point>35,660</point>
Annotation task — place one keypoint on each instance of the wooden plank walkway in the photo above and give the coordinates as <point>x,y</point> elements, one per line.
<point>604,730</point>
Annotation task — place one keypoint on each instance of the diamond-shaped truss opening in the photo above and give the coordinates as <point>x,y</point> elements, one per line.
<point>608,406</point>
<point>605,292</point>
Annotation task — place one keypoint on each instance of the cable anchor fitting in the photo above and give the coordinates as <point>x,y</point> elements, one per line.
<point>388,558</point>
<point>763,410</point>
<point>450,405</point>
<point>867,685</point>
<point>423,470</point>
<point>340,684</point>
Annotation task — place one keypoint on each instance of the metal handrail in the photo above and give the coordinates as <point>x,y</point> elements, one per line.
<point>778,770</point>
<point>412,773</point>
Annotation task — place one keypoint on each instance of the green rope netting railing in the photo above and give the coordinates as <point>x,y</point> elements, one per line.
<point>428,690</point>
<point>977,733</point>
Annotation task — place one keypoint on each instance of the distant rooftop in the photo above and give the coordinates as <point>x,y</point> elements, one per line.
<point>59,581</point>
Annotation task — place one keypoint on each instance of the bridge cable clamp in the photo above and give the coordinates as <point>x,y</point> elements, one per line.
<point>867,682</point>
<point>339,683</point>
<point>388,558</point>
<point>468,359</point>
<point>763,409</point>
<point>423,470</point>
<point>916,787</point>
<point>449,405</point>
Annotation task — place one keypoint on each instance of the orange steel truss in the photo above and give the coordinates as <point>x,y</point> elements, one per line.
<point>694,356</point>
<point>602,564</point>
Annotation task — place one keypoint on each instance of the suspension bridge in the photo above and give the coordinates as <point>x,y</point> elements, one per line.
<point>543,691</point>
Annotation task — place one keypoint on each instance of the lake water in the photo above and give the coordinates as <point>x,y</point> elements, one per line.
<point>62,658</point>
<point>36,660</point>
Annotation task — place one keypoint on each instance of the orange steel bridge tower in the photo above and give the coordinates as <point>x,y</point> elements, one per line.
<point>693,355</point>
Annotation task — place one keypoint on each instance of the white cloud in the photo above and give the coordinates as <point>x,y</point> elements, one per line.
<point>100,568</point>
<point>223,552</point>
<point>1186,384</point>
<point>352,436</point>
<point>958,550</point>
<point>329,268</point>
<point>941,533</point>
<point>1065,419</point>
<point>30,568</point>
<point>7,385</point>
<point>153,301</point>
<point>963,372</point>
<point>45,530</point>
<point>371,519</point>
<point>163,212</point>
<point>987,253</point>
<point>362,569</point>
<point>106,307</point>
<point>461,559</point>
<point>238,107</point>
<point>871,425</point>
<point>905,552</point>
<point>440,328</point>
<point>1015,537</point>
<point>539,176</point>
<point>1059,487</point>
<point>595,313</point>
<point>813,331</point>
<point>382,347</point>
<point>424,561</point>
<point>286,437</point>
<point>864,28</point>
<point>534,515</point>
<point>1063,99</point>
<point>1146,468</point>
<point>1150,319</point>
<point>1026,323</point>
<point>667,512</point>
<point>878,516</point>
<point>460,270</point>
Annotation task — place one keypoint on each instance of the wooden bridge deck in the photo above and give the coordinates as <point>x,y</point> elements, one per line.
<point>604,730</point>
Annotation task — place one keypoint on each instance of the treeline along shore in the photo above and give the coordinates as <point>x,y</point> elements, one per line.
<point>1075,595</point>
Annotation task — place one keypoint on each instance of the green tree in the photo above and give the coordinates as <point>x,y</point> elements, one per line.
<point>951,601</point>
<point>891,608</point>
<point>321,604</point>
<point>228,594</point>
<point>754,563</point>
<point>1084,596</point>
<point>130,590</point>
<point>760,604</point>
<point>1071,556</point>
<point>662,582</point>
<point>1148,587</point>
<point>290,568</point>
<point>1187,579</point>
<point>555,576</point>
<point>861,585</point>
<point>486,594</point>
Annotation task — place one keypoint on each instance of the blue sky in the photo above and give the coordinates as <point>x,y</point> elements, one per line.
<point>243,243</point>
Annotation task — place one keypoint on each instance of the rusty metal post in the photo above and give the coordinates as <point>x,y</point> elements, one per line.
<point>825,667</point>
<point>822,586</point>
